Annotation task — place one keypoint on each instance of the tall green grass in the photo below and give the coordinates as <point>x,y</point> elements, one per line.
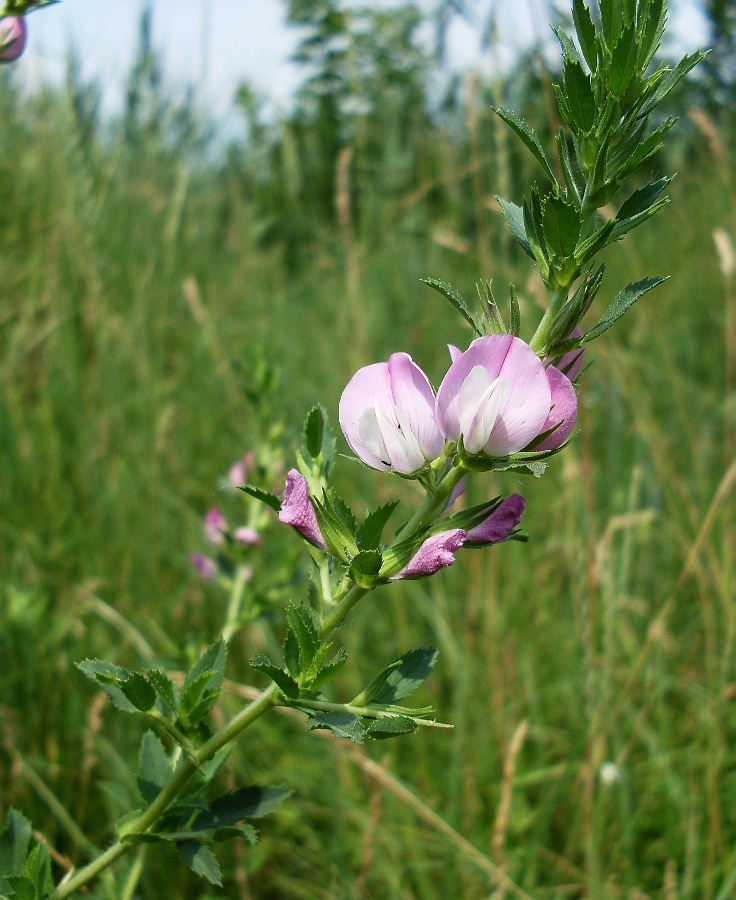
<point>142,288</point>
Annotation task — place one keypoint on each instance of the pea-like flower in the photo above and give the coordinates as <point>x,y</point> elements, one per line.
<point>499,525</point>
<point>563,410</point>
<point>495,396</point>
<point>436,553</point>
<point>297,510</point>
<point>387,414</point>
<point>13,35</point>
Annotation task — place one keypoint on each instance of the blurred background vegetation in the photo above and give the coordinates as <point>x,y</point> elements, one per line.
<point>155,283</point>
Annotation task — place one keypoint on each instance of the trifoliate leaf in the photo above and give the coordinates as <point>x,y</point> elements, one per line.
<point>200,860</point>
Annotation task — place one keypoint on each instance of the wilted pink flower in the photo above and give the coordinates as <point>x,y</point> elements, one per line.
<point>501,522</point>
<point>297,510</point>
<point>563,411</point>
<point>436,553</point>
<point>13,34</point>
<point>206,567</point>
<point>387,416</point>
<point>569,363</point>
<point>247,536</point>
<point>495,396</point>
<point>215,527</point>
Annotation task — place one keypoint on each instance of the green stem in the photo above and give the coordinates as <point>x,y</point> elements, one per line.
<point>556,301</point>
<point>182,775</point>
<point>235,606</point>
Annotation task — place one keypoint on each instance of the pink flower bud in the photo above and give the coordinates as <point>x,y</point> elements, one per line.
<point>571,362</point>
<point>13,34</point>
<point>501,522</point>
<point>206,567</point>
<point>436,553</point>
<point>247,536</point>
<point>297,510</point>
<point>215,527</point>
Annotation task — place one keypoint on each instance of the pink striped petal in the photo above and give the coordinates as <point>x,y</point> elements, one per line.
<point>297,510</point>
<point>563,412</point>
<point>436,553</point>
<point>501,522</point>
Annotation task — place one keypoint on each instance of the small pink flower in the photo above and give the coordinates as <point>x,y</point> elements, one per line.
<point>436,553</point>
<point>297,510</point>
<point>215,527</point>
<point>13,35</point>
<point>501,522</point>
<point>247,536</point>
<point>495,396</point>
<point>387,416</point>
<point>237,474</point>
<point>563,411</point>
<point>206,567</point>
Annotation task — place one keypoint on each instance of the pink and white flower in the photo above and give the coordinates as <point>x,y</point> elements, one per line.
<point>495,396</point>
<point>387,414</point>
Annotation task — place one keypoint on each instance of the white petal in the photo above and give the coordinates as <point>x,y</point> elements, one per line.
<point>370,433</point>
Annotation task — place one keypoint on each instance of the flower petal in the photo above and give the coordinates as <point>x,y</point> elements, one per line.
<point>436,553</point>
<point>369,384</point>
<point>247,536</point>
<point>563,412</point>
<point>501,522</point>
<point>414,397</point>
<point>297,510</point>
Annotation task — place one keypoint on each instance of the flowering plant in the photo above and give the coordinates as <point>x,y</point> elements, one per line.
<point>504,405</point>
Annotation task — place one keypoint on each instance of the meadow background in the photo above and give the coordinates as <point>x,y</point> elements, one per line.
<point>170,301</point>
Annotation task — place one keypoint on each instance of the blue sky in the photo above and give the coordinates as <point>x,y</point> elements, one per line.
<point>216,44</point>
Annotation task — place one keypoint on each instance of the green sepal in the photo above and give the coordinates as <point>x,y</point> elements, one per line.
<point>624,300</point>
<point>493,321</point>
<point>456,299</point>
<point>368,535</point>
<point>282,679</point>
<point>514,216</point>
<point>336,525</point>
<point>342,725</point>
<point>528,138</point>
<point>398,555</point>
<point>389,727</point>
<point>270,500</point>
<point>572,312</point>
<point>466,519</point>
<point>200,859</point>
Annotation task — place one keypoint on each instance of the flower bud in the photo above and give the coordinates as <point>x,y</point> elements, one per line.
<point>297,510</point>
<point>499,525</point>
<point>215,527</point>
<point>247,536</point>
<point>13,34</point>
<point>206,567</point>
<point>436,553</point>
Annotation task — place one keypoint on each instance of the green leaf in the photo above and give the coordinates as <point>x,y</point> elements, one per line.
<point>14,842</point>
<point>456,299</point>
<point>319,438</point>
<point>212,662</point>
<point>248,832</point>
<point>342,725</point>
<point>22,887</point>
<point>259,494</point>
<point>200,860</point>
<point>579,96</point>
<point>611,19</point>
<point>670,80</point>
<point>391,726</point>
<point>569,50</point>
<point>38,871</point>
<point>532,211</point>
<point>571,187</point>
<point>561,224</point>
<point>650,29</point>
<point>302,625</point>
<point>139,691</point>
<point>514,216</point>
<point>165,689</point>
<point>586,250</point>
<point>586,33</point>
<point>642,199</point>
<point>282,678</point>
<point>645,150</point>
<point>369,533</point>
<point>629,217</point>
<point>515,315</point>
<point>154,768</point>
<point>365,566</point>
<point>110,678</point>
<point>251,802</point>
<point>414,667</point>
<point>328,671</point>
<point>528,138</point>
<point>623,62</point>
<point>625,299</point>
<point>291,654</point>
